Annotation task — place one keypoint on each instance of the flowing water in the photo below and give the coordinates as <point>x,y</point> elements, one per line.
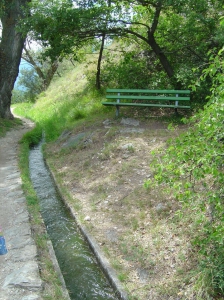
<point>82,274</point>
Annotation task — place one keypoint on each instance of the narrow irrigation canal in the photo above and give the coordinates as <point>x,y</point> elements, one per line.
<point>82,274</point>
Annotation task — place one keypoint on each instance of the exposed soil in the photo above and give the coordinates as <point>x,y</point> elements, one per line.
<point>102,167</point>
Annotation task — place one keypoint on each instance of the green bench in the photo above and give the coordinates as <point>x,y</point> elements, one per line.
<point>146,98</point>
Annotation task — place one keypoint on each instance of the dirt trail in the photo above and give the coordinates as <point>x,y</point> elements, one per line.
<point>19,273</point>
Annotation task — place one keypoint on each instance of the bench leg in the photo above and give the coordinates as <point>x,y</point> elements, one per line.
<point>117,110</point>
<point>176,112</point>
<point>176,103</point>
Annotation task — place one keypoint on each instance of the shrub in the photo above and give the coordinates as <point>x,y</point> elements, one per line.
<point>192,167</point>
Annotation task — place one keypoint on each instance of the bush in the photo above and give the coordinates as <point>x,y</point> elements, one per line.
<point>192,167</point>
<point>139,70</point>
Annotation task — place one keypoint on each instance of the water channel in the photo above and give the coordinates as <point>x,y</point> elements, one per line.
<point>82,274</point>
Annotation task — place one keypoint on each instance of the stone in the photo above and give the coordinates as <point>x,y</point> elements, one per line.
<point>27,253</point>
<point>160,207</point>
<point>107,122</point>
<point>26,277</point>
<point>143,275</point>
<point>127,146</point>
<point>129,121</point>
<point>74,141</point>
<point>131,130</point>
<point>31,297</point>
<point>112,235</point>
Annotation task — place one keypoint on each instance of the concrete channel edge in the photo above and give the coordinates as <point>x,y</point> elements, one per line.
<point>57,269</point>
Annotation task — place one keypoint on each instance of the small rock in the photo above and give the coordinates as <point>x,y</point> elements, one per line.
<point>107,122</point>
<point>112,235</point>
<point>143,275</point>
<point>129,121</point>
<point>160,207</point>
<point>87,218</point>
<point>127,146</point>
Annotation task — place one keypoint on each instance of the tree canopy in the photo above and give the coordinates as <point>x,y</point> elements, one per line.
<point>178,33</point>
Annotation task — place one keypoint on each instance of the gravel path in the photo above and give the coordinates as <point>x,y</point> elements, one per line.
<point>19,273</point>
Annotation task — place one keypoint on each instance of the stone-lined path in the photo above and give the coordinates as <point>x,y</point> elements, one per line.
<point>19,273</point>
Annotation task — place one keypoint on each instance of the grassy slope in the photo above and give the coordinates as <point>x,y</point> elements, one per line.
<point>158,245</point>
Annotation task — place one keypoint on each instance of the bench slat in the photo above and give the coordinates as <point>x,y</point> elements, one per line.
<point>157,98</point>
<point>144,104</point>
<point>148,91</point>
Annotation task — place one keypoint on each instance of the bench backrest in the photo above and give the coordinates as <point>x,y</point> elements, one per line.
<point>148,91</point>
<point>161,95</point>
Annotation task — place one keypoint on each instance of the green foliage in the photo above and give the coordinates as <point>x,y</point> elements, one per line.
<point>61,26</point>
<point>18,96</point>
<point>125,66</point>
<point>193,168</point>
<point>133,70</point>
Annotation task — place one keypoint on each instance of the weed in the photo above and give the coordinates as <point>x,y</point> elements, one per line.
<point>111,133</point>
<point>33,137</point>
<point>76,175</point>
<point>122,277</point>
<point>77,204</point>
<point>136,253</point>
<point>41,240</point>
<point>182,256</point>
<point>131,149</point>
<point>142,215</point>
<point>106,250</point>
<point>77,114</point>
<point>116,265</point>
<point>167,290</point>
<point>134,223</point>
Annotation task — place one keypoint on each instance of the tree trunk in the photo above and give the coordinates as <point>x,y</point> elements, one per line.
<point>162,57</point>
<point>50,74</point>
<point>98,83</point>
<point>11,47</point>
